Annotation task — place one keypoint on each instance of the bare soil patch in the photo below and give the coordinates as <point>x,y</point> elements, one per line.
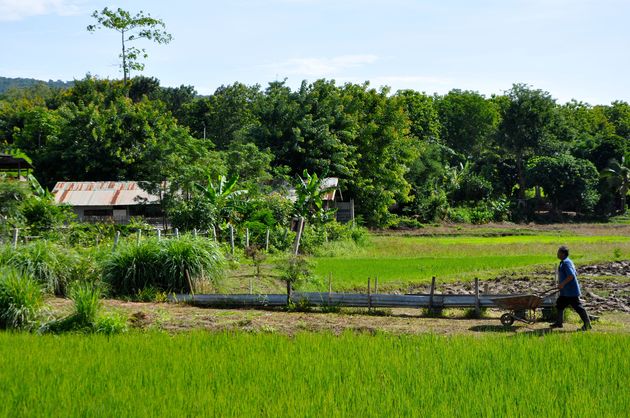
<point>173,318</point>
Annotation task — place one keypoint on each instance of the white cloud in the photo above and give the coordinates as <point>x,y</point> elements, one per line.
<point>21,9</point>
<point>320,67</point>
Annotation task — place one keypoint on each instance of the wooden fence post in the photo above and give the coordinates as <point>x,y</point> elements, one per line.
<point>214,233</point>
<point>159,234</point>
<point>232,238</point>
<point>431,293</point>
<point>329,287</point>
<point>352,211</point>
<point>246,237</point>
<point>477,307</point>
<point>195,232</point>
<point>176,233</point>
<point>116,239</point>
<point>289,291</point>
<point>139,236</point>
<point>16,233</point>
<point>267,241</point>
<point>369,293</point>
<point>298,236</point>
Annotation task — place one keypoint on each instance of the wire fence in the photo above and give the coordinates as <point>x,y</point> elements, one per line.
<point>230,235</point>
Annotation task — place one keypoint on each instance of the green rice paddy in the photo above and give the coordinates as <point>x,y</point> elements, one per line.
<point>400,260</point>
<point>201,374</point>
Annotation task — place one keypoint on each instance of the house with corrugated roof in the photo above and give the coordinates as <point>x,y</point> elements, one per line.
<point>118,201</point>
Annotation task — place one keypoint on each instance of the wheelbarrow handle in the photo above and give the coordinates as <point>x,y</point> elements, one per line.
<point>549,291</point>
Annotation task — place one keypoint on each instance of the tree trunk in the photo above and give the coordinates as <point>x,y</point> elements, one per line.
<point>124,57</point>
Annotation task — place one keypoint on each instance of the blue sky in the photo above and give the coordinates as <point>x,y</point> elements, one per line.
<point>575,49</point>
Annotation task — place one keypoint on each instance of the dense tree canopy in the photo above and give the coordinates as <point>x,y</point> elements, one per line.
<point>399,155</point>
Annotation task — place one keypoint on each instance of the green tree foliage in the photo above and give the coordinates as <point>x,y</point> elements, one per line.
<point>468,122</point>
<point>526,120</point>
<point>618,173</point>
<point>406,153</point>
<point>570,183</point>
<point>384,150</point>
<point>226,116</point>
<point>131,28</point>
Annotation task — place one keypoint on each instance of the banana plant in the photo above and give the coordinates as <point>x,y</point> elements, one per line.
<point>310,203</point>
<point>221,193</point>
<point>619,173</point>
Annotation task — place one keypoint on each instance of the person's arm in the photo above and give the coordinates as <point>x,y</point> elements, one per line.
<point>565,281</point>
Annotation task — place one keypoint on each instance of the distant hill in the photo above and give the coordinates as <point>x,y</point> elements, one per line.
<point>7,83</point>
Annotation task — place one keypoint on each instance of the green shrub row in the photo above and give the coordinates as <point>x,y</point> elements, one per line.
<point>177,265</point>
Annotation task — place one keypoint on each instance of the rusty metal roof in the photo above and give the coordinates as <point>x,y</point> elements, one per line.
<point>102,193</point>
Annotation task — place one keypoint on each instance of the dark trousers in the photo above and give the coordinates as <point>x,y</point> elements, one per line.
<point>575,303</point>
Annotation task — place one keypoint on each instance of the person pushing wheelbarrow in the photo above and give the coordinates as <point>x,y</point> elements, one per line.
<point>569,291</point>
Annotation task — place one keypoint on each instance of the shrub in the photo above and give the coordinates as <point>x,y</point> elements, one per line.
<point>168,265</point>
<point>87,303</point>
<point>150,294</point>
<point>21,300</point>
<point>43,214</point>
<point>111,324</point>
<point>44,261</point>
<point>405,222</point>
<point>313,237</point>
<point>87,315</point>
<point>459,215</point>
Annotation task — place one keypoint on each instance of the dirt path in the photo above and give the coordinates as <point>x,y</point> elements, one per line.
<point>177,318</point>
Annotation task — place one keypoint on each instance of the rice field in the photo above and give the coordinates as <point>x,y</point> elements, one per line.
<point>238,374</point>
<point>400,260</point>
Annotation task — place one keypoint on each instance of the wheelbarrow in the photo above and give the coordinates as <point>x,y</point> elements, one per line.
<point>521,307</point>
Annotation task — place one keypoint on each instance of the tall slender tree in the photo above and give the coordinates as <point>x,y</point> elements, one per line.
<point>131,28</point>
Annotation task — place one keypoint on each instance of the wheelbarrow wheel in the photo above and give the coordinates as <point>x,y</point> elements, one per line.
<point>507,319</point>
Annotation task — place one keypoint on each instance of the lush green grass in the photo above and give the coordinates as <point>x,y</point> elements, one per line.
<point>314,375</point>
<point>398,260</point>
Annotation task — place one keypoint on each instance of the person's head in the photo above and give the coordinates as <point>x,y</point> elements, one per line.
<point>563,252</point>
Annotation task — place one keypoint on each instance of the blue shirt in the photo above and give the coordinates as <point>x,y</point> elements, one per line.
<point>565,269</point>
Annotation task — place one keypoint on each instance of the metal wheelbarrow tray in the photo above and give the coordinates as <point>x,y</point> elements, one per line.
<point>521,307</point>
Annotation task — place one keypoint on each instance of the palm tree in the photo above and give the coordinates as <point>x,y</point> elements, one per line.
<point>618,173</point>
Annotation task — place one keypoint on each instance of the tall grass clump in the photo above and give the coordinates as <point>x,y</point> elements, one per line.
<point>176,265</point>
<point>44,261</point>
<point>86,316</point>
<point>87,302</point>
<point>21,300</point>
